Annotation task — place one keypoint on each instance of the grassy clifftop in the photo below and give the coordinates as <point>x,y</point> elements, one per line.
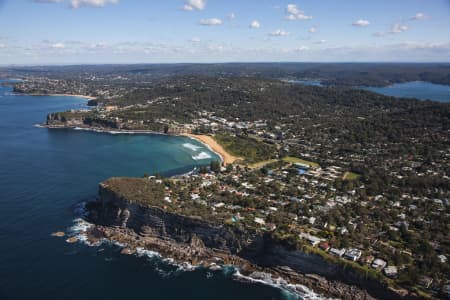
<point>146,192</point>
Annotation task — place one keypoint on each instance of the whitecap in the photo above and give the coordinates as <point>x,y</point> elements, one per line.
<point>191,146</point>
<point>201,155</point>
<point>185,266</point>
<point>292,290</point>
<point>144,252</point>
<point>81,226</point>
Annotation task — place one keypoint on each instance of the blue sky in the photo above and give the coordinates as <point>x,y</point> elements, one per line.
<point>144,31</point>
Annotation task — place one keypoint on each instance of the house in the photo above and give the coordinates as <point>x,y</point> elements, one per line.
<point>379,264</point>
<point>442,258</point>
<point>368,259</point>
<point>259,221</point>
<point>425,281</point>
<point>337,252</point>
<point>293,216</point>
<point>390,271</point>
<point>353,254</point>
<point>313,240</point>
<point>271,226</point>
<point>324,246</point>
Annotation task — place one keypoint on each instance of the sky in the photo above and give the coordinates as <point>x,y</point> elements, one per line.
<point>36,32</point>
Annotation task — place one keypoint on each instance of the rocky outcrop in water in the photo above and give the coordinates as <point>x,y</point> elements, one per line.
<point>201,242</point>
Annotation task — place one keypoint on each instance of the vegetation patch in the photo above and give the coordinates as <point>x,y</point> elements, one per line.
<point>251,150</point>
<point>143,191</point>
<point>350,176</point>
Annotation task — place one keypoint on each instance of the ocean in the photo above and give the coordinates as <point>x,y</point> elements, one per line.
<point>44,176</point>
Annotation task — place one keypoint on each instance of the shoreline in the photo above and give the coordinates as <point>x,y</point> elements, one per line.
<point>191,257</point>
<point>65,95</point>
<point>214,146</point>
<point>206,140</point>
<point>55,95</point>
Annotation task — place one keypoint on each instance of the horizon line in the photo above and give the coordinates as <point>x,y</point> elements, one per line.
<point>221,63</point>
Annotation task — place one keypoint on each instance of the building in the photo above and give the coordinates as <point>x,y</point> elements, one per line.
<point>337,252</point>
<point>259,221</point>
<point>390,271</point>
<point>353,254</point>
<point>379,264</point>
<point>425,281</point>
<point>313,240</point>
<point>442,258</point>
<point>324,246</point>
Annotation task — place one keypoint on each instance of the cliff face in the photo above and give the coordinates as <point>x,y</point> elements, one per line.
<point>156,222</point>
<point>58,119</point>
<point>195,240</point>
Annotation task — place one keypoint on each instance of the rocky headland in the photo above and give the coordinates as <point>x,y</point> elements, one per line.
<point>201,242</point>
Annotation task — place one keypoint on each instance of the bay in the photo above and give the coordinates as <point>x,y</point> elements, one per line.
<point>415,89</point>
<point>46,173</point>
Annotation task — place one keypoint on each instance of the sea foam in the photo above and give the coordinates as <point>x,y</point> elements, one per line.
<point>191,146</point>
<point>201,155</point>
<point>293,290</point>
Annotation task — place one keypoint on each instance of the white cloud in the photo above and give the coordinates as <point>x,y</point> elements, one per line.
<point>312,30</point>
<point>191,5</point>
<point>361,23</point>
<point>100,45</point>
<point>418,16</point>
<point>2,46</point>
<point>255,24</point>
<point>75,4</point>
<point>293,9</point>
<point>195,40</point>
<point>216,48</point>
<point>58,46</point>
<point>211,22</point>
<point>279,32</point>
<point>294,13</point>
<point>320,42</point>
<point>398,28</point>
<point>232,16</point>
<point>301,48</point>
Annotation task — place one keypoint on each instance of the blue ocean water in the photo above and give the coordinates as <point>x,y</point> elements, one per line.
<point>45,173</point>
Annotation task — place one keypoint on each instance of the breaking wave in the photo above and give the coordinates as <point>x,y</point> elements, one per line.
<point>201,155</point>
<point>291,291</point>
<point>161,264</point>
<point>191,146</point>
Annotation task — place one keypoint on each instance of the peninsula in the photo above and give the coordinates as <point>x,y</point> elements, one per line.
<point>339,189</point>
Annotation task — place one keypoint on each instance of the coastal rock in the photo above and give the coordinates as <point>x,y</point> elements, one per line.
<point>58,234</point>
<point>200,242</point>
<point>72,240</point>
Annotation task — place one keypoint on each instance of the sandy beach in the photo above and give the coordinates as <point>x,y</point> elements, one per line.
<point>60,95</point>
<point>70,95</point>
<point>216,147</point>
